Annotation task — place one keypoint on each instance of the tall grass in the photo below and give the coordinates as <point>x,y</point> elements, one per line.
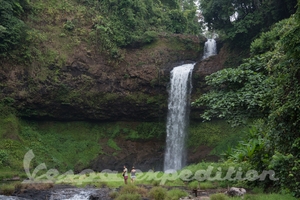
<point>217,134</point>
<point>175,194</point>
<point>265,197</point>
<point>60,145</point>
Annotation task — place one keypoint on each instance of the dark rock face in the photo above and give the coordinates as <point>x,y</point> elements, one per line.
<point>91,87</point>
<point>143,155</point>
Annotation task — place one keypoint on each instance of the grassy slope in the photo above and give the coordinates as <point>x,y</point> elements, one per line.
<point>72,145</point>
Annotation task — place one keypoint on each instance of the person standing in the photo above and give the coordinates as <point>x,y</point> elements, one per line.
<point>125,174</point>
<point>132,174</point>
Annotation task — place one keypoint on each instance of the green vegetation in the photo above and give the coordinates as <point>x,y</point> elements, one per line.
<point>63,145</point>
<point>175,194</point>
<point>12,28</point>
<point>131,192</point>
<point>158,193</point>
<point>208,134</point>
<point>264,87</point>
<point>220,196</point>
<point>262,93</point>
<point>242,21</point>
<point>52,29</point>
<point>72,145</point>
<point>59,148</point>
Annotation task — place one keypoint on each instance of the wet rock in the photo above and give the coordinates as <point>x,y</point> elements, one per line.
<point>34,194</point>
<point>2,197</point>
<point>234,191</point>
<point>93,197</point>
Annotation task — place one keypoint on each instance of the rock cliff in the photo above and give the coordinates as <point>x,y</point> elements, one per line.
<point>90,86</point>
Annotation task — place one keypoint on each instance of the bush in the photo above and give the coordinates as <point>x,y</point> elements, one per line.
<point>69,26</point>
<point>157,193</point>
<point>129,197</point>
<point>142,191</point>
<point>129,189</point>
<point>176,194</point>
<point>7,189</point>
<point>113,194</point>
<point>218,196</point>
<point>193,185</point>
<point>150,36</point>
<point>132,189</point>
<point>3,157</point>
<point>12,28</point>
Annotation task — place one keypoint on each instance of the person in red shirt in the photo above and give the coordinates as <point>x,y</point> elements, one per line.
<point>125,174</point>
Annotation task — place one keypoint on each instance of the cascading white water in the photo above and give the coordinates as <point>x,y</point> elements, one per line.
<point>178,117</point>
<point>210,48</point>
<point>79,193</point>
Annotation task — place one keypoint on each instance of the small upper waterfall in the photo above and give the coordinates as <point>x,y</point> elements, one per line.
<point>210,48</point>
<point>178,117</point>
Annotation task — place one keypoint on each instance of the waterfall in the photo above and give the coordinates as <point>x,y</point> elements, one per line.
<point>178,117</point>
<point>210,48</point>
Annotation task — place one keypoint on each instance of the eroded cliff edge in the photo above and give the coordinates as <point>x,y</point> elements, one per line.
<point>91,86</point>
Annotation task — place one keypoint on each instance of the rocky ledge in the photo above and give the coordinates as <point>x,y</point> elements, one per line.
<point>89,86</point>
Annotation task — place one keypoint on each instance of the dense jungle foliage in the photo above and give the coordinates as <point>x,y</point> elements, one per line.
<point>241,21</point>
<point>266,88</point>
<point>112,24</point>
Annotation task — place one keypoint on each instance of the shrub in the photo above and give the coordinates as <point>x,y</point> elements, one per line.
<point>142,191</point>
<point>155,182</point>
<point>12,28</point>
<point>129,197</point>
<point>193,185</point>
<point>218,196</point>
<point>69,26</point>
<point>113,194</point>
<point>7,189</point>
<point>132,189</point>
<point>157,193</point>
<point>176,194</point>
<point>111,143</point>
<point>150,36</point>
<point>129,189</point>
<point>3,157</point>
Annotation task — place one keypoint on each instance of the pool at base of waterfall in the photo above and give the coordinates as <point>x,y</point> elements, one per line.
<point>72,193</point>
<point>80,194</point>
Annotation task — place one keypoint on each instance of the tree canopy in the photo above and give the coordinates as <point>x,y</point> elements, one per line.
<point>116,23</point>
<point>240,20</point>
<point>266,87</point>
<point>12,28</point>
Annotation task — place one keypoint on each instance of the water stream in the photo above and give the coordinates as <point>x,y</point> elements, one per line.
<point>210,48</point>
<point>64,193</point>
<point>178,117</point>
<point>79,194</point>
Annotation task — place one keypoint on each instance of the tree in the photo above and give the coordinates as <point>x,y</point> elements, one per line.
<point>134,23</point>
<point>11,26</point>
<point>242,20</point>
<point>266,86</point>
